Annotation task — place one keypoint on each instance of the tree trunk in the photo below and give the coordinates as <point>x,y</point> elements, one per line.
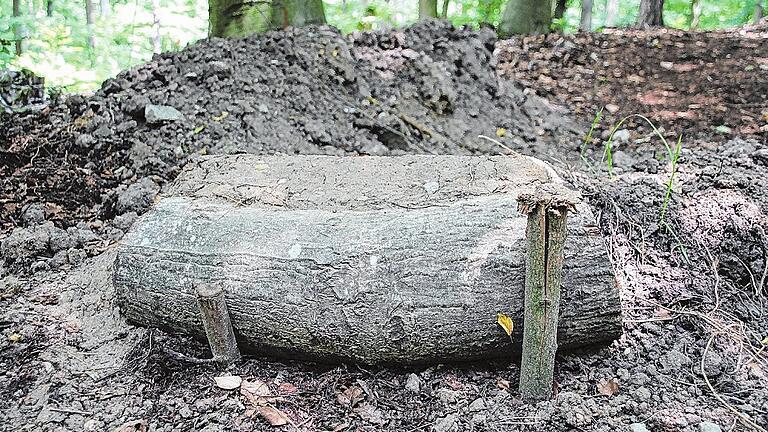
<point>651,14</point>
<point>49,8</point>
<point>444,13</point>
<point>368,259</point>
<point>238,18</point>
<point>526,17</point>
<point>695,14</point>
<point>297,13</point>
<point>18,30</point>
<point>427,9</point>
<point>89,23</point>
<point>611,12</point>
<point>758,15</point>
<point>157,43</point>
<point>560,8</point>
<point>105,8</point>
<point>586,16</point>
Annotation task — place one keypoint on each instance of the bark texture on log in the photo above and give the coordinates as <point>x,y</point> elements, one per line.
<point>370,259</point>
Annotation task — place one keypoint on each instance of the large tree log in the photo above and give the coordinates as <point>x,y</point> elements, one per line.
<point>371,259</point>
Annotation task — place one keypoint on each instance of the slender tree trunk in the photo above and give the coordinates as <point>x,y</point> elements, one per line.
<point>611,12</point>
<point>105,8</point>
<point>18,31</point>
<point>444,14</point>
<point>695,14</point>
<point>427,9</point>
<point>758,11</point>
<point>586,16</point>
<point>238,18</point>
<point>526,17</point>
<point>560,8</point>
<point>49,8</point>
<point>651,14</point>
<point>297,13</point>
<point>157,46</point>
<point>89,23</point>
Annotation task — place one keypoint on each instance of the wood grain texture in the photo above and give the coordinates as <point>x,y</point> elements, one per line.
<point>376,260</point>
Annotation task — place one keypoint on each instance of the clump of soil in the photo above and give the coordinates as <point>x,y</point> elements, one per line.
<point>430,88</point>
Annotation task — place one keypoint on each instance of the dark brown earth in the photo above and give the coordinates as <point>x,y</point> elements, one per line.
<point>75,176</point>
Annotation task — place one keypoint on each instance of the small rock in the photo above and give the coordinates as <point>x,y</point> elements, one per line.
<point>638,427</point>
<point>431,187</point>
<point>413,383</point>
<point>675,360</point>
<point>447,396</point>
<point>713,364</point>
<point>161,113</point>
<point>185,412</point>
<point>706,426</point>
<point>446,424</point>
<point>612,108</point>
<point>477,405</point>
<point>621,136</point>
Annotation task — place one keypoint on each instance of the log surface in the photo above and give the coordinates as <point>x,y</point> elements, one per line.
<point>370,259</point>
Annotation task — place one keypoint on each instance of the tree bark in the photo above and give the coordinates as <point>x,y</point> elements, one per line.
<point>374,260</point>
<point>89,23</point>
<point>526,17</point>
<point>547,211</point>
<point>611,12</point>
<point>238,18</point>
<point>758,15</point>
<point>427,9</point>
<point>586,16</point>
<point>49,8</point>
<point>217,324</point>
<point>560,8</point>
<point>444,13</point>
<point>651,14</point>
<point>297,13</point>
<point>18,30</point>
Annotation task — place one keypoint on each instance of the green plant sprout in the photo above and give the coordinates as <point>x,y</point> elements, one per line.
<point>673,154</point>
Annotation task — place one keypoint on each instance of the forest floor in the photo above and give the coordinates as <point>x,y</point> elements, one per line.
<point>689,254</point>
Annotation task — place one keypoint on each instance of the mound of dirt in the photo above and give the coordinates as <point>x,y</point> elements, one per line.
<point>705,85</point>
<point>430,88</point>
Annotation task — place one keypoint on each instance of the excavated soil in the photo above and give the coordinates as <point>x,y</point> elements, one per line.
<point>692,277</point>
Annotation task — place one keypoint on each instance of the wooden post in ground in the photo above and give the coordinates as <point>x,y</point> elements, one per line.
<point>547,209</point>
<point>218,326</point>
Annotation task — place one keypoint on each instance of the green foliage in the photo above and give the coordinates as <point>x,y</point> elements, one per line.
<point>57,47</point>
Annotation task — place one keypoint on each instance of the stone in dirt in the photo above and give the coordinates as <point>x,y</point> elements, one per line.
<point>161,113</point>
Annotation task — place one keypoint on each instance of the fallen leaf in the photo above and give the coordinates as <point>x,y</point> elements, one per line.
<point>607,387</point>
<point>228,382</point>
<point>351,396</point>
<point>500,132</point>
<point>506,323</point>
<point>287,388</point>
<point>502,384</point>
<point>222,116</point>
<point>256,392</point>
<point>273,416</point>
<point>15,337</point>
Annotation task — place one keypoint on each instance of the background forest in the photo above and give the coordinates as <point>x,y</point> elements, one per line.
<point>75,45</point>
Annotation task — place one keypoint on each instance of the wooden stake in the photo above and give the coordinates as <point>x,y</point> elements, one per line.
<point>218,326</point>
<point>547,210</point>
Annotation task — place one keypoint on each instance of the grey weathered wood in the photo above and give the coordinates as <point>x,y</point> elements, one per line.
<point>372,259</point>
<point>547,210</point>
<point>217,324</point>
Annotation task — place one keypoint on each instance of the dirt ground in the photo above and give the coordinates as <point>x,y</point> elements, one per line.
<point>689,254</point>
